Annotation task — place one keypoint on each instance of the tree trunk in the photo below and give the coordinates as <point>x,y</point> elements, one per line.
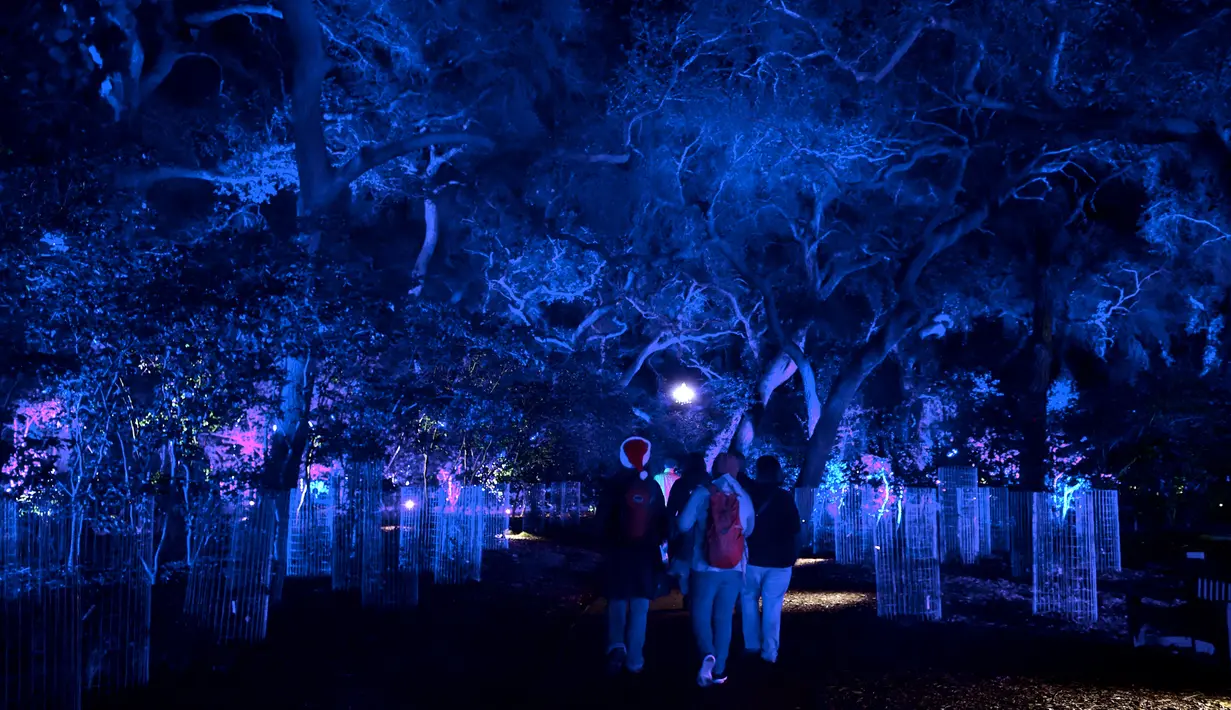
<point>1036,456</point>
<point>779,370</point>
<point>723,440</point>
<point>846,385</point>
<point>431,235</point>
<point>820,446</point>
<point>746,432</point>
<point>286,451</point>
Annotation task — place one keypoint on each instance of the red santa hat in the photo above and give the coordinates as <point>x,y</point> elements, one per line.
<point>635,454</point>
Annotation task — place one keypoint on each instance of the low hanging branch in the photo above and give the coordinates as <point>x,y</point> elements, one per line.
<point>661,342</point>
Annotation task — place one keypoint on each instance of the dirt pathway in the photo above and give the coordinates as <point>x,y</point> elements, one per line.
<point>531,635</point>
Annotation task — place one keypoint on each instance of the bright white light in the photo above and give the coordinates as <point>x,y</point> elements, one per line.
<point>409,505</point>
<point>508,511</point>
<point>683,394</point>
<point>952,453</point>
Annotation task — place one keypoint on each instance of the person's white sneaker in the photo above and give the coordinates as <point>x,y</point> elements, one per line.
<point>705,677</point>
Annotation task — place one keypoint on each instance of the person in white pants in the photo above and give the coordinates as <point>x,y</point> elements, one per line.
<point>772,550</point>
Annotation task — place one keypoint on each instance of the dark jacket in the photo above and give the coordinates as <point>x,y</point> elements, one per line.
<point>775,540</point>
<point>630,568</point>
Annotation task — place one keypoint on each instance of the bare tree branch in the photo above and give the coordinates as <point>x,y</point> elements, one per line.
<point>590,320</point>
<point>205,19</point>
<point>431,229</point>
<point>806,373</point>
<point>373,156</point>
<point>607,158</point>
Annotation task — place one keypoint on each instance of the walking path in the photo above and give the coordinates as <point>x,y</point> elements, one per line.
<point>531,635</point>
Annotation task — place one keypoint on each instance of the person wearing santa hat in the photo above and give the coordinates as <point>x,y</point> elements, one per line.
<point>633,518</point>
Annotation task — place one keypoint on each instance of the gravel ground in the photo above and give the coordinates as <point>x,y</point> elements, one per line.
<point>531,635</point>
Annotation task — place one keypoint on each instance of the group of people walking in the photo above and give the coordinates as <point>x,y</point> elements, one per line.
<point>724,536</point>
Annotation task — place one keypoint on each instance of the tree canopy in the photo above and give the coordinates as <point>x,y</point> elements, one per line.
<point>497,233</point>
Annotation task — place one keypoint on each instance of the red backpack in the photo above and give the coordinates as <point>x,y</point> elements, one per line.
<point>638,510</point>
<point>724,533</point>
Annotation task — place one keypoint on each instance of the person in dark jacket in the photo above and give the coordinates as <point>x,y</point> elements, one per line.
<point>744,476</point>
<point>692,475</point>
<point>633,518</point>
<point>772,550</point>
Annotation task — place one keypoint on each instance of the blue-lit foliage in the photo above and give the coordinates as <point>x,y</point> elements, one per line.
<point>563,246</point>
<point>482,237</point>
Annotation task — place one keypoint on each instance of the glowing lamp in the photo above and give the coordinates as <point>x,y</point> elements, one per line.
<point>508,511</point>
<point>683,394</point>
<point>409,505</point>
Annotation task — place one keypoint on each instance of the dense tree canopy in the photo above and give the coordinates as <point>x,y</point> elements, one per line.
<point>490,235</point>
